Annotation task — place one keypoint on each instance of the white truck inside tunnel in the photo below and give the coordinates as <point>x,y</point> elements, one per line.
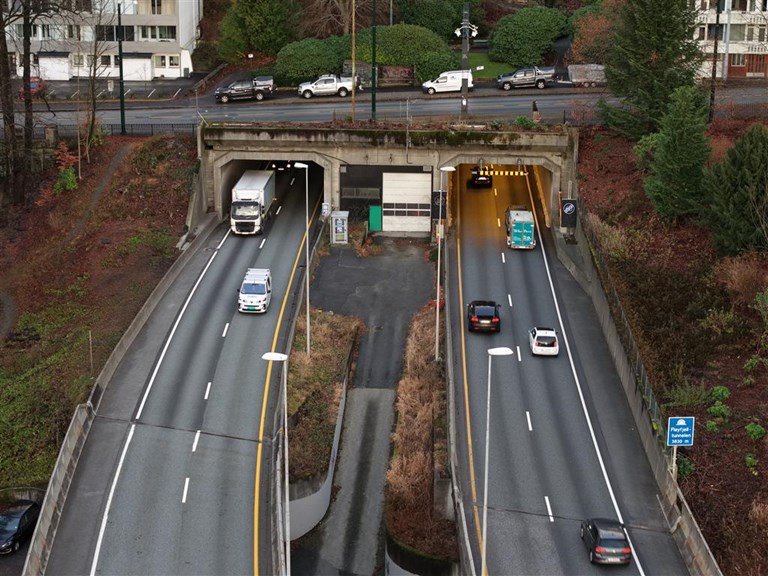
<point>406,202</point>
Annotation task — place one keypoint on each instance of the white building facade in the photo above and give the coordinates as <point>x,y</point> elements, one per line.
<point>742,37</point>
<point>158,38</point>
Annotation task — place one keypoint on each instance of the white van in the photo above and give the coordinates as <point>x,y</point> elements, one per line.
<point>448,82</point>
<point>256,291</point>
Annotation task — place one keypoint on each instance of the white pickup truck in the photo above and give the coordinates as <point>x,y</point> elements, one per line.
<point>329,85</point>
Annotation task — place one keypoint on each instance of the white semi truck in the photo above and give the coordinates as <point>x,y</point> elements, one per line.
<point>252,198</point>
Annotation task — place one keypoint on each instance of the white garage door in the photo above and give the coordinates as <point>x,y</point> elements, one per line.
<point>405,202</point>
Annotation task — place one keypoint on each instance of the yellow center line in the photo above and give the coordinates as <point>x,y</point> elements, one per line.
<point>470,451</point>
<point>257,485</point>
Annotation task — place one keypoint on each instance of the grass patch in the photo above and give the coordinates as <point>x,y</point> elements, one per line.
<point>491,70</point>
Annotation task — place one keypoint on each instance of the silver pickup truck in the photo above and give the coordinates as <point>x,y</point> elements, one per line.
<point>329,85</point>
<point>533,76</point>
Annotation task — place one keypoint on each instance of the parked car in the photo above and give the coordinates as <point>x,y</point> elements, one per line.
<point>448,82</point>
<point>533,76</point>
<point>17,523</point>
<point>543,341</point>
<point>329,85</point>
<point>483,315</point>
<point>37,88</point>
<point>606,541</point>
<point>481,176</point>
<point>256,88</point>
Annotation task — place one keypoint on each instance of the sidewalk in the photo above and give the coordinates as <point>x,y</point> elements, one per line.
<point>385,290</point>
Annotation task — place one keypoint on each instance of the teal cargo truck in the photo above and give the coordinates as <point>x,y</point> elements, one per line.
<point>521,228</point>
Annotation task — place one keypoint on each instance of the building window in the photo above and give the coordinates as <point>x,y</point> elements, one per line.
<point>157,6</point>
<point>106,33</point>
<point>702,33</point>
<point>73,32</point>
<point>762,33</point>
<point>405,209</point>
<point>738,33</point>
<point>159,61</point>
<point>738,60</point>
<point>117,61</point>
<point>78,60</point>
<point>714,31</point>
<point>147,33</point>
<point>166,32</point>
<point>106,60</point>
<point>45,31</point>
<point>173,61</point>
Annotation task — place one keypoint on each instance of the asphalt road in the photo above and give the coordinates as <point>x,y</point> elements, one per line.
<point>562,445</point>
<point>166,481</point>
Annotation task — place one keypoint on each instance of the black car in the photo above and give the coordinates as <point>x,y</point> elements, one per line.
<point>481,177</point>
<point>483,315</point>
<point>17,523</point>
<point>254,88</point>
<point>606,541</point>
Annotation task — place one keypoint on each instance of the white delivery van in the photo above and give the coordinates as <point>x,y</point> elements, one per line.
<point>448,82</point>
<point>256,291</point>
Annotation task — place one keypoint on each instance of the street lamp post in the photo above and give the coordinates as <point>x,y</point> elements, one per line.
<point>306,239</point>
<point>283,358</point>
<point>443,170</point>
<point>502,351</point>
<point>464,31</point>
<point>120,67</point>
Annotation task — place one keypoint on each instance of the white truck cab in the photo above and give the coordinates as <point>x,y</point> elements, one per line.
<point>255,291</point>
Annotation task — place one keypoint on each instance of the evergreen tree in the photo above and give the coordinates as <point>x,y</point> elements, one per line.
<point>681,148</point>
<point>258,26</point>
<point>654,52</point>
<point>737,194</point>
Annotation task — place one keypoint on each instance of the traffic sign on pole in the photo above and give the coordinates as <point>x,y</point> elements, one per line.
<point>680,431</point>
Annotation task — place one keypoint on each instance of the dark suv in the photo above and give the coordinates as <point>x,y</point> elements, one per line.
<point>527,78</point>
<point>606,541</point>
<point>483,315</point>
<point>481,177</point>
<point>253,89</point>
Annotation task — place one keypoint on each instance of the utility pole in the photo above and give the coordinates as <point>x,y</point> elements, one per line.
<point>464,60</point>
<point>374,75</point>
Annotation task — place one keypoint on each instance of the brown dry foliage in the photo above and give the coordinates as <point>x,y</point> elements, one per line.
<point>743,277</point>
<point>410,514</point>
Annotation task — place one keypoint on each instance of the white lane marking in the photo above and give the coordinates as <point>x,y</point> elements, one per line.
<point>509,298</point>
<point>104,519</point>
<point>528,417</point>
<point>519,356</point>
<point>194,444</point>
<point>226,327</point>
<point>549,509</point>
<point>503,258</point>
<point>498,223</point>
<point>278,209</point>
<point>292,181</point>
<point>581,393</point>
<point>495,193</point>
<point>261,244</point>
<point>175,326</point>
<point>186,487</point>
<point>207,390</point>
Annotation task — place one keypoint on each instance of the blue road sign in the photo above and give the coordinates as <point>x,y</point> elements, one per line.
<point>680,431</point>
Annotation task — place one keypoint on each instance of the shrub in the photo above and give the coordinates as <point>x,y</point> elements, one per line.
<point>719,410</point>
<point>751,461</point>
<point>754,362</point>
<point>747,382</point>
<point>66,181</point>
<point>524,122</point>
<point>742,277</point>
<point>755,431</point>
<point>307,59</point>
<point>721,324</point>
<point>684,466</point>
<point>522,39</point>
<point>205,57</point>
<point>720,393</point>
<point>686,396</point>
<point>712,426</point>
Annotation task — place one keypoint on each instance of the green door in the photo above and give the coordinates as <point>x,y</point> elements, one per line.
<point>374,218</point>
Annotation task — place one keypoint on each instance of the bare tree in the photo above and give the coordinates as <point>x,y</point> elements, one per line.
<point>323,18</point>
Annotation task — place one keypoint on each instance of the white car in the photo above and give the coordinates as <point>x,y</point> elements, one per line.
<point>543,341</point>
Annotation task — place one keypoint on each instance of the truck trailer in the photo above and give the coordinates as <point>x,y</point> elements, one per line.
<point>252,198</point>
<point>521,228</point>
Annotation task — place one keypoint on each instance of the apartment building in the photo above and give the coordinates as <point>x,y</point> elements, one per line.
<point>158,38</point>
<point>742,37</point>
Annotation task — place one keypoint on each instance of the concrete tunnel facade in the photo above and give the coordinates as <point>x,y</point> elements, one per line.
<point>550,154</point>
